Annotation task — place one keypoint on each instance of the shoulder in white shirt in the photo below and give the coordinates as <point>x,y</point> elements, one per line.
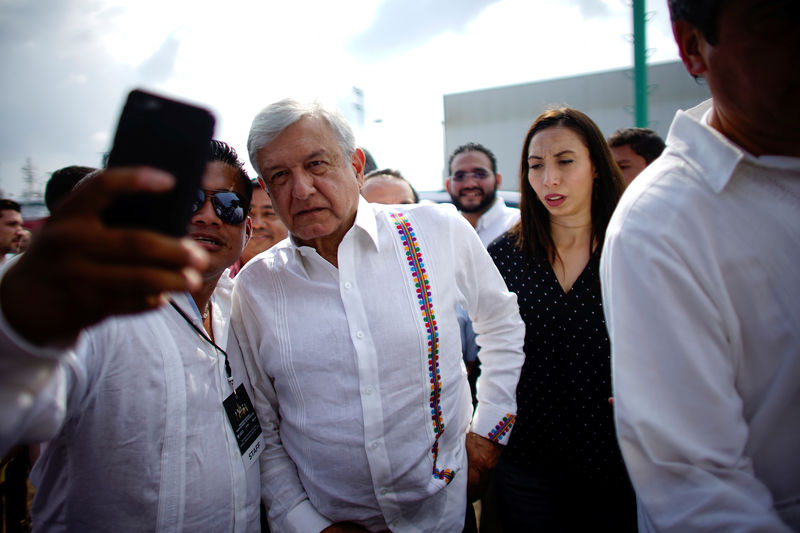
<point>700,290</point>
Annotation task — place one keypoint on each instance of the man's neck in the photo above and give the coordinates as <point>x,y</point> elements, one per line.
<point>769,141</point>
<point>202,295</point>
<point>328,246</point>
<point>474,217</point>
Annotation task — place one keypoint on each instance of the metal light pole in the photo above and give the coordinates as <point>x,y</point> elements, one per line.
<point>640,64</point>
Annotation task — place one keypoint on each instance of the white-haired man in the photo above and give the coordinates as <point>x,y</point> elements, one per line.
<point>349,333</point>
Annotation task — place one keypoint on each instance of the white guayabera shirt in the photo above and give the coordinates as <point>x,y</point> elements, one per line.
<point>140,439</point>
<point>357,371</point>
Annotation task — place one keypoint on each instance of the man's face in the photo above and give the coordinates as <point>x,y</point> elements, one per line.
<point>10,231</point>
<point>629,162</point>
<point>752,72</point>
<point>267,227</point>
<point>223,242</point>
<point>472,184</point>
<point>313,185</point>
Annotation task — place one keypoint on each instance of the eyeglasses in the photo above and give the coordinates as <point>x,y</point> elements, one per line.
<point>228,205</point>
<point>478,174</point>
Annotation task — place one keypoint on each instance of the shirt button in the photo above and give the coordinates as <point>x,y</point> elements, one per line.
<point>375,445</point>
<point>360,334</point>
<point>384,492</point>
<point>369,389</point>
<point>348,285</point>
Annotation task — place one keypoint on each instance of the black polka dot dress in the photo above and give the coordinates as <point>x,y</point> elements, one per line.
<point>565,423</point>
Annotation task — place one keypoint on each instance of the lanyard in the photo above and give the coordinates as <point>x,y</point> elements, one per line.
<point>207,339</point>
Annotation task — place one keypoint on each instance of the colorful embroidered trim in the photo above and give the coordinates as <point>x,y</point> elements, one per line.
<point>420,278</point>
<point>502,428</point>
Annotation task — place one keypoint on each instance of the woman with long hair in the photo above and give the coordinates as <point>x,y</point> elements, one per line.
<point>562,469</point>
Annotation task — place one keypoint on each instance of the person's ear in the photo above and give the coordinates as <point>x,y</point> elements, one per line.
<point>248,230</point>
<point>692,46</point>
<point>357,160</point>
<point>447,184</point>
<point>498,179</point>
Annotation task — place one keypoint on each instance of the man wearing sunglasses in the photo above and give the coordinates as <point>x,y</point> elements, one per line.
<point>134,407</point>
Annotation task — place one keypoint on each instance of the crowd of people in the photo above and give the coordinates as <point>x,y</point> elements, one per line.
<point>325,352</point>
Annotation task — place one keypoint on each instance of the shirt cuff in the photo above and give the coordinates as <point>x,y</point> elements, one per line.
<point>492,423</point>
<point>304,518</point>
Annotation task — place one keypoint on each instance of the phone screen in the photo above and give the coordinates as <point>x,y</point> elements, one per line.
<point>169,135</point>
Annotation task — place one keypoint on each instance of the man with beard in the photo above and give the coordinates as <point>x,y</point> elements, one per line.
<point>472,186</point>
<point>10,228</point>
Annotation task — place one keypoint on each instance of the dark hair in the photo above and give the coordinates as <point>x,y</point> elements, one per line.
<point>9,205</point>
<point>369,161</point>
<point>224,153</point>
<point>473,147</point>
<point>702,14</point>
<point>394,174</point>
<point>532,232</point>
<point>643,141</point>
<point>61,183</point>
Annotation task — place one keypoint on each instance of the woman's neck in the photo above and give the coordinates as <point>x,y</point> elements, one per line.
<point>571,233</point>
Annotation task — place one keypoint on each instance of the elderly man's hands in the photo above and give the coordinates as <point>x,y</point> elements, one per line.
<point>482,457</point>
<point>78,271</point>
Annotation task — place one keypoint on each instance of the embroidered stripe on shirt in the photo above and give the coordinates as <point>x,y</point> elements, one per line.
<point>420,278</point>
<point>502,428</point>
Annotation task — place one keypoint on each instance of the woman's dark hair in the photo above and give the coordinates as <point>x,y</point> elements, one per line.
<point>532,232</point>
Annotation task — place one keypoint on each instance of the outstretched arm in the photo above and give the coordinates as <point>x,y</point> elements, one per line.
<point>78,271</point>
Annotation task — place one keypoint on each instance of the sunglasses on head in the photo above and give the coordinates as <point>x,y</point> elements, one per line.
<point>229,206</point>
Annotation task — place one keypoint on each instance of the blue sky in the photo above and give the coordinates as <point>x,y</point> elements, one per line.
<point>68,64</point>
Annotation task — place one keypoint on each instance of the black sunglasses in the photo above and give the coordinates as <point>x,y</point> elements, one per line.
<point>229,206</point>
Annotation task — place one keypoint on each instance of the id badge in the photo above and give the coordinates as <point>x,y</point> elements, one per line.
<point>245,425</point>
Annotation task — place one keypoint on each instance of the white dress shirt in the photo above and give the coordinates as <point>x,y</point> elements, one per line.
<point>370,425</point>
<point>140,439</point>
<point>495,221</point>
<point>702,299</point>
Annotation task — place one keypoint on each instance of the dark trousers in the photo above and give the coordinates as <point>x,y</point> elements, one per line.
<point>533,502</point>
<point>470,526</point>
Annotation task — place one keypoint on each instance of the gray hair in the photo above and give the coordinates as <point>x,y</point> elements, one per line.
<point>271,121</point>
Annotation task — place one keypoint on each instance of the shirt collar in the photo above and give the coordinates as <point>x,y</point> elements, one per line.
<point>366,220</point>
<point>714,156</point>
<point>492,214</point>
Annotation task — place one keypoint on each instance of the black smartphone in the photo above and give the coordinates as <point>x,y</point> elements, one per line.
<point>166,134</point>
